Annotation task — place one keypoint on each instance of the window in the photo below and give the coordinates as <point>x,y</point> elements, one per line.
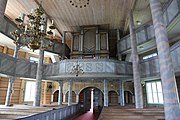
<point>34,59</point>
<point>29,91</point>
<point>154,92</point>
<point>149,56</point>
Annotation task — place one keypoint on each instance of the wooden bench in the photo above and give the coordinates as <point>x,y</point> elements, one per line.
<point>120,113</point>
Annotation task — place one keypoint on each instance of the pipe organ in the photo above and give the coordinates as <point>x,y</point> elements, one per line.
<point>90,43</point>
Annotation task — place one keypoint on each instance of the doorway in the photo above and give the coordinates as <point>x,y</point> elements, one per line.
<point>113,98</point>
<point>55,96</point>
<point>91,99</point>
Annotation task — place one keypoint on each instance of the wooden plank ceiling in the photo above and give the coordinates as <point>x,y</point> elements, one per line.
<point>111,13</point>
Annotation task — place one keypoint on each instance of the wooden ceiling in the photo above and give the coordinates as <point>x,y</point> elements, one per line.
<point>111,13</point>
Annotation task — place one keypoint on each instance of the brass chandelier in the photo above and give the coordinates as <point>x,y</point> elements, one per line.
<point>33,33</point>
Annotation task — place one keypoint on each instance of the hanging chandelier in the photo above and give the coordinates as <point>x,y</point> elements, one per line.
<point>79,3</point>
<point>32,33</point>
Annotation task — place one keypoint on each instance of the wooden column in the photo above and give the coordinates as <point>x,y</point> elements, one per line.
<point>170,95</point>
<point>11,80</point>
<point>97,44</point>
<point>60,92</point>
<point>39,77</point>
<point>105,93</point>
<point>77,98</point>
<point>64,45</point>
<point>118,39</point>
<point>135,58</point>
<point>70,93</point>
<point>121,93</point>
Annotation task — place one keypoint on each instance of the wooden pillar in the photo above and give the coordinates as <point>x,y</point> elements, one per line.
<point>97,44</point>
<point>118,39</point>
<point>64,45</point>
<point>60,92</point>
<point>39,77</point>
<point>135,58</point>
<point>11,80</point>
<point>105,93</point>
<point>70,93</point>
<point>121,93</point>
<point>170,95</point>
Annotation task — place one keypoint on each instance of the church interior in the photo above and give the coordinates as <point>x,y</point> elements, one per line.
<point>89,59</point>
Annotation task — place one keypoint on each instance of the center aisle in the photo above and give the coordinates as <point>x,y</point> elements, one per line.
<point>88,116</point>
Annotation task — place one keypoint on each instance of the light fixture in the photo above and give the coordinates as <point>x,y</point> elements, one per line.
<point>76,69</point>
<point>143,83</point>
<point>79,3</point>
<point>32,33</point>
<point>138,22</point>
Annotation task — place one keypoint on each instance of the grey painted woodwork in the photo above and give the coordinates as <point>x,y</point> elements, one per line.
<point>60,93</point>
<point>11,79</point>
<point>77,98</point>
<point>56,114</point>
<point>2,10</point>
<point>170,95</point>
<point>102,68</point>
<point>121,93</point>
<point>70,93</point>
<point>118,39</point>
<point>105,92</point>
<point>97,43</point>
<point>9,91</point>
<point>63,45</point>
<point>39,76</point>
<point>81,41</point>
<point>90,42</point>
<point>170,12</point>
<point>135,61</point>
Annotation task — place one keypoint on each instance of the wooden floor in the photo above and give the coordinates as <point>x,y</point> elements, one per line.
<point>87,116</point>
<point>126,113</point>
<point>19,111</point>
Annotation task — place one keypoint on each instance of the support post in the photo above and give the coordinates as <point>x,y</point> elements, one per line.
<point>11,80</point>
<point>39,77</point>
<point>118,40</point>
<point>60,92</point>
<point>77,98</point>
<point>64,97</point>
<point>121,93</point>
<point>135,58</point>
<point>64,45</point>
<point>170,95</point>
<point>70,93</point>
<point>105,93</point>
<point>97,43</point>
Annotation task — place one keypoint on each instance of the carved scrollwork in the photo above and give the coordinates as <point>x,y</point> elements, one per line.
<point>99,67</point>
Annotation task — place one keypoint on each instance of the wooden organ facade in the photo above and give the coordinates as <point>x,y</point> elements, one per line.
<point>90,43</point>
